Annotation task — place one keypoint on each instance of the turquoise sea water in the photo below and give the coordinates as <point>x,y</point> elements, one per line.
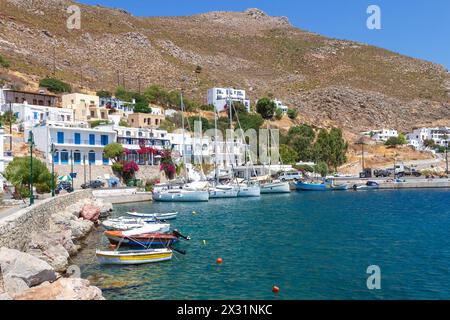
<point>312,245</point>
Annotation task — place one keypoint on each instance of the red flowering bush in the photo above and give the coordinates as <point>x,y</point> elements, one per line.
<point>167,164</point>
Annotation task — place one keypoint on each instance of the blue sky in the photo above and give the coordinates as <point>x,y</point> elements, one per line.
<point>417,28</point>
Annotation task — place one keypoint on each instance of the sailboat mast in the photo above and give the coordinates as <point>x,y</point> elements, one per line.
<point>183,142</point>
<point>215,146</point>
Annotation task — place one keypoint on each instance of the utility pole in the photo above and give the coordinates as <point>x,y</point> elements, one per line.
<point>84,168</point>
<point>446,157</point>
<point>31,142</point>
<point>10,126</point>
<point>53,168</point>
<point>71,167</point>
<point>54,61</point>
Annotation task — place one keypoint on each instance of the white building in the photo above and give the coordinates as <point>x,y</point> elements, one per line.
<point>73,143</point>
<point>280,105</point>
<point>5,156</point>
<point>218,97</point>
<point>440,136</point>
<point>31,115</point>
<point>384,134</point>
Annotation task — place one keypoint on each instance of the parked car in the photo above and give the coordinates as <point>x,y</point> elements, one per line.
<point>286,176</point>
<point>94,184</point>
<point>383,173</point>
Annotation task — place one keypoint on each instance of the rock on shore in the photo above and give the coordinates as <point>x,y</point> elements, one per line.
<point>36,273</point>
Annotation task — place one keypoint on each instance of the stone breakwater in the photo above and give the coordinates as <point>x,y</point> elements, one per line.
<point>36,244</point>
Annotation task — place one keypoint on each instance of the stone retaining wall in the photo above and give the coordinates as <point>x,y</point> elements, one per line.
<point>16,229</point>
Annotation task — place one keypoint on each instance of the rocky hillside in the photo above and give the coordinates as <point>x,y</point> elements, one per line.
<point>331,81</point>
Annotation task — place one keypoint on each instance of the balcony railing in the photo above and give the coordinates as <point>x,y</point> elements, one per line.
<point>81,142</point>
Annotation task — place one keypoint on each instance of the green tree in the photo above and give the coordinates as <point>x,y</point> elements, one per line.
<point>18,173</point>
<point>292,113</point>
<point>338,148</point>
<point>266,108</point>
<point>123,123</point>
<point>205,123</point>
<point>300,138</point>
<point>250,121</point>
<point>402,139</point>
<point>114,151</point>
<point>396,141</point>
<point>142,107</point>
<point>55,85</point>
<point>321,168</point>
<point>278,114</point>
<point>104,94</point>
<point>288,155</point>
<point>4,63</point>
<point>429,143</point>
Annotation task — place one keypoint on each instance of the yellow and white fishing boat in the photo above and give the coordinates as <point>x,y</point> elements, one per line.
<point>133,256</point>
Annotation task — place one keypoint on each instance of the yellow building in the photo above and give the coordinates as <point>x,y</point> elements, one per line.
<point>145,120</point>
<point>86,107</point>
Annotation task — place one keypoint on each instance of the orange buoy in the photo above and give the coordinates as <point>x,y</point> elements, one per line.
<point>275,289</point>
<point>219,260</point>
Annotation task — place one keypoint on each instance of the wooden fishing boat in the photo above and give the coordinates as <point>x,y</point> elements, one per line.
<point>149,217</point>
<point>144,239</point>
<point>133,256</point>
<point>327,185</point>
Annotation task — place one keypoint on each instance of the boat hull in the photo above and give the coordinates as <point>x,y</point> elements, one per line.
<point>220,193</point>
<point>319,187</point>
<point>133,257</point>
<point>277,187</point>
<point>249,191</point>
<point>150,240</point>
<point>151,217</point>
<point>181,196</point>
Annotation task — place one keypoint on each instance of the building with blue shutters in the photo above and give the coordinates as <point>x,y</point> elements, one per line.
<point>73,143</point>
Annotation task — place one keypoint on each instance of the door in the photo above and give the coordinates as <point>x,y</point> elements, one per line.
<point>92,139</point>
<point>91,157</point>
<point>77,138</point>
<point>64,157</point>
<point>77,157</point>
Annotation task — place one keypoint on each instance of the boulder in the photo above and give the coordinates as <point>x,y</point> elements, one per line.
<point>105,207</point>
<point>62,289</point>
<point>20,269</point>
<point>90,212</point>
<point>75,209</point>
<point>80,228</point>
<point>5,296</point>
<point>50,248</point>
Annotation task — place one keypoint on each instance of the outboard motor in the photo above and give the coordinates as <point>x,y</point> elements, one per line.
<point>177,234</point>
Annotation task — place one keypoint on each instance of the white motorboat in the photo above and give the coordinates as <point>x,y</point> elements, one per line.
<point>181,195</point>
<point>152,217</point>
<point>275,187</point>
<point>133,224</point>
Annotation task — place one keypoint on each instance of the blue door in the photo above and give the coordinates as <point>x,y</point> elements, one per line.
<point>56,157</point>
<point>77,157</point>
<point>105,160</point>
<point>91,157</point>
<point>64,157</point>
<point>104,140</point>
<point>77,138</point>
<point>60,137</point>
<point>92,139</point>
<point>35,115</point>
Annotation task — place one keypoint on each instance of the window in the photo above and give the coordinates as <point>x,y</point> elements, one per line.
<point>104,139</point>
<point>105,160</point>
<point>77,138</point>
<point>140,134</point>
<point>60,137</point>
<point>34,101</point>
<point>92,139</point>
<point>35,115</point>
<point>128,133</point>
